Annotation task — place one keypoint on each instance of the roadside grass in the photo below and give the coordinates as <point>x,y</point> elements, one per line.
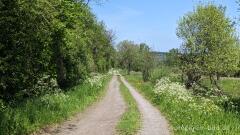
<point>230,86</point>
<point>131,120</point>
<point>35,114</point>
<point>147,87</point>
<point>196,117</point>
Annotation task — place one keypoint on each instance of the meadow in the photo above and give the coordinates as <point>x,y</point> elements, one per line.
<point>230,85</point>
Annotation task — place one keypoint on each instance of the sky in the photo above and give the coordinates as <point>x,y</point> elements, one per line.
<point>151,21</point>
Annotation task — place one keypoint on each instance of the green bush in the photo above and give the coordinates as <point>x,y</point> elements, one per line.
<point>158,73</point>
<point>164,71</point>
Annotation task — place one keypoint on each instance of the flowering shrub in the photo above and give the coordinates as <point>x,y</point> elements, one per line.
<point>45,85</point>
<point>172,90</point>
<point>54,99</point>
<point>176,92</point>
<point>113,72</point>
<point>96,81</point>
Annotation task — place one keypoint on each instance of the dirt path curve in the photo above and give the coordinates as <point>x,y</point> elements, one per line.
<point>100,119</point>
<point>153,122</point>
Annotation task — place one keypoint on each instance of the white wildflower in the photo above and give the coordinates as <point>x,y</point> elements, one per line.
<point>96,81</point>
<point>176,93</point>
<point>113,72</point>
<point>174,90</point>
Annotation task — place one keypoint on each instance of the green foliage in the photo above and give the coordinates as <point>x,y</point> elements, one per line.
<point>172,73</point>
<point>230,86</point>
<point>134,57</point>
<point>127,55</point>
<point>55,38</point>
<point>102,49</point>
<point>131,119</point>
<point>146,61</point>
<point>24,44</point>
<point>172,58</point>
<point>33,114</point>
<point>159,73</point>
<point>209,44</point>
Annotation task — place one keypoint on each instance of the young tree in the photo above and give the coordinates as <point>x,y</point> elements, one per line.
<point>209,44</point>
<point>127,53</point>
<point>70,37</point>
<point>135,57</point>
<point>146,61</point>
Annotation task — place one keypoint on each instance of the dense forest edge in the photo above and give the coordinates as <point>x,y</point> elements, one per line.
<point>52,55</point>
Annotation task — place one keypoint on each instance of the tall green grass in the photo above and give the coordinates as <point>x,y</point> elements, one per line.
<point>131,120</point>
<point>34,114</point>
<point>188,121</point>
<point>230,86</point>
<point>173,73</point>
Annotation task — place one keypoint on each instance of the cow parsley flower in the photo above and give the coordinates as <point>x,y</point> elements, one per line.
<point>96,80</point>
<point>176,93</point>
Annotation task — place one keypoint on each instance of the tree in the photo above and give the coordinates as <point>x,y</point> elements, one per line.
<point>24,44</point>
<point>136,57</point>
<point>53,38</point>
<point>209,44</point>
<point>172,57</point>
<point>127,51</point>
<point>101,48</point>
<point>146,61</point>
<point>69,45</point>
<point>82,44</point>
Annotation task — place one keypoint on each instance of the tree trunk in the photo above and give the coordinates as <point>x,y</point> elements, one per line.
<point>216,84</point>
<point>182,77</point>
<point>61,76</point>
<point>218,76</point>
<point>211,79</point>
<point>129,68</point>
<point>58,57</point>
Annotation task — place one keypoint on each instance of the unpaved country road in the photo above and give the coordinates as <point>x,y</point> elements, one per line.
<point>100,119</point>
<point>153,122</point>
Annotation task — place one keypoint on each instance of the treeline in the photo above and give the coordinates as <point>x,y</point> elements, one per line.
<point>135,57</point>
<point>43,42</point>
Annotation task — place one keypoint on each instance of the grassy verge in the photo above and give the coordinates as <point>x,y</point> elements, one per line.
<point>230,86</point>
<point>130,121</point>
<point>36,113</point>
<point>195,116</point>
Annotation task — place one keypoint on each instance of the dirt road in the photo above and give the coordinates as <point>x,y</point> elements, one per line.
<point>153,123</point>
<point>100,119</point>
